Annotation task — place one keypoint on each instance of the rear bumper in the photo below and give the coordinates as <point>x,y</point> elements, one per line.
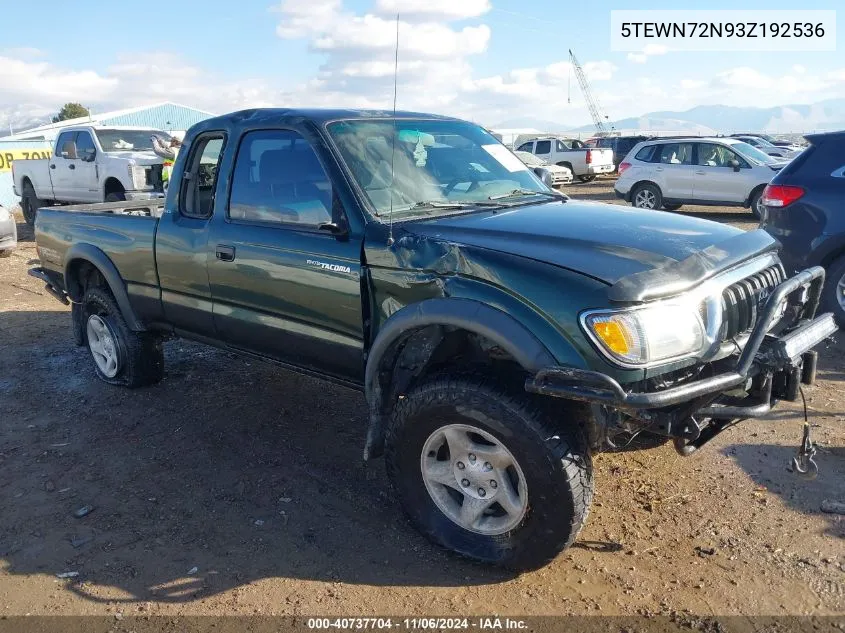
<point>601,169</point>
<point>620,195</point>
<point>765,360</point>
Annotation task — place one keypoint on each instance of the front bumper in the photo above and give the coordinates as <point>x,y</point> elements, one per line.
<point>765,361</point>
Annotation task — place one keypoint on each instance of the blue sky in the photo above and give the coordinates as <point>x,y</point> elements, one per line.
<point>490,60</point>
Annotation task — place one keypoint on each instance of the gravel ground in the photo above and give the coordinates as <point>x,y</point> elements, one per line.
<point>235,487</point>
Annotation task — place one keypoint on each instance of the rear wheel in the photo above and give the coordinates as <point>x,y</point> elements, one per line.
<point>121,356</point>
<point>833,294</point>
<point>115,196</point>
<point>30,203</point>
<point>482,472</point>
<point>647,196</point>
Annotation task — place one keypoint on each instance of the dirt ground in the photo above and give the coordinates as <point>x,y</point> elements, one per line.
<point>236,487</point>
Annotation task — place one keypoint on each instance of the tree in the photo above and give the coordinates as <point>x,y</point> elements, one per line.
<point>70,111</point>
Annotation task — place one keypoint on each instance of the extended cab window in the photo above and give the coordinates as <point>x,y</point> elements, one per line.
<point>278,178</point>
<point>676,154</point>
<point>66,145</point>
<point>196,195</point>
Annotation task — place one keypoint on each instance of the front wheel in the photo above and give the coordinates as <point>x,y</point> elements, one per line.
<point>587,178</point>
<point>121,356</point>
<point>672,207</point>
<point>484,473</point>
<point>756,205</point>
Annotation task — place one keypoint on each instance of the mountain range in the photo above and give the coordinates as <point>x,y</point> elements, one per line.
<point>824,115</point>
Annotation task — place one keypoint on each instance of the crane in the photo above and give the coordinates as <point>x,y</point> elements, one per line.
<point>592,104</point>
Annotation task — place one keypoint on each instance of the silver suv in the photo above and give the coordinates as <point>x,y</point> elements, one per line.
<point>668,173</point>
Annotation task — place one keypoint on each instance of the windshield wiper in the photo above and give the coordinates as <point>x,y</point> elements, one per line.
<point>456,204</point>
<point>529,192</point>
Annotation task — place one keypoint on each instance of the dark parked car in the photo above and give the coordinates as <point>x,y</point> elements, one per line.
<point>805,211</point>
<point>620,145</point>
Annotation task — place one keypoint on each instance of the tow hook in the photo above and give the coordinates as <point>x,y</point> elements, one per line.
<point>803,464</point>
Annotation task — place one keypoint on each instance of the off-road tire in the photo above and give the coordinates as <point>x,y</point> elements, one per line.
<point>831,301</point>
<point>553,457</point>
<point>30,204</point>
<point>141,354</point>
<point>587,178</point>
<point>655,191</point>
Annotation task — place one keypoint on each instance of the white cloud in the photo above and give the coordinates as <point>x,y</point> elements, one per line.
<point>649,50</point>
<point>433,9</point>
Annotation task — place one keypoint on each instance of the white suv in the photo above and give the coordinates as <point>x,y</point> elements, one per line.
<point>668,173</point>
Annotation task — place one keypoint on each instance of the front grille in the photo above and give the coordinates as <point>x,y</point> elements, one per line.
<point>742,301</point>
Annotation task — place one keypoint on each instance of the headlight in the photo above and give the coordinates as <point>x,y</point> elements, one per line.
<point>138,176</point>
<point>641,337</point>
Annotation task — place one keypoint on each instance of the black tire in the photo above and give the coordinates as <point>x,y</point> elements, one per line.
<point>833,293</point>
<point>656,196</point>
<point>115,196</point>
<point>30,203</point>
<point>587,178</point>
<point>140,354</point>
<point>754,204</point>
<point>672,207</point>
<point>555,461</point>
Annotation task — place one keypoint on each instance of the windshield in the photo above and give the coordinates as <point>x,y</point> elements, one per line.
<point>122,140</point>
<point>436,164</point>
<point>754,154</point>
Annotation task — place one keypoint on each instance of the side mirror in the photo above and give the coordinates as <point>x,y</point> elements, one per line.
<point>89,157</point>
<point>735,164</point>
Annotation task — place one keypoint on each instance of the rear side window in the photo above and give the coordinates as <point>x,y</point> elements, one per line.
<point>646,154</point>
<point>196,194</point>
<point>66,145</point>
<point>675,154</point>
<point>543,147</point>
<point>279,179</point>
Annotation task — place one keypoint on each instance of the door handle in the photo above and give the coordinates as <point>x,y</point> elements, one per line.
<point>225,253</point>
<point>71,166</point>
<point>658,169</point>
<point>701,173</point>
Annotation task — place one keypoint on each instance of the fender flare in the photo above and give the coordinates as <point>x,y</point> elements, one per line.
<point>100,261</point>
<point>467,314</point>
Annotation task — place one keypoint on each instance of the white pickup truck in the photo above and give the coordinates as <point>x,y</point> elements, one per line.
<point>585,162</point>
<point>91,164</point>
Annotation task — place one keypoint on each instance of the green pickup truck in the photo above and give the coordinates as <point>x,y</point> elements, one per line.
<point>500,331</point>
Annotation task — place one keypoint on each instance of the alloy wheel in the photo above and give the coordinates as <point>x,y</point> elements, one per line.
<point>474,479</point>
<point>103,347</point>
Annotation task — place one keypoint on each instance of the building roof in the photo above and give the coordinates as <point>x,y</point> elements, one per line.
<point>164,116</point>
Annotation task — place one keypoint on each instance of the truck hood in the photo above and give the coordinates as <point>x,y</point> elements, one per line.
<point>604,241</point>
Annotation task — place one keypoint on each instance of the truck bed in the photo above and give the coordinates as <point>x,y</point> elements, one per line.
<point>125,230</point>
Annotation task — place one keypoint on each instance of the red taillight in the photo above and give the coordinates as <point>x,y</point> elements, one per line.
<point>781,195</point>
<point>589,158</point>
<point>623,167</point>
